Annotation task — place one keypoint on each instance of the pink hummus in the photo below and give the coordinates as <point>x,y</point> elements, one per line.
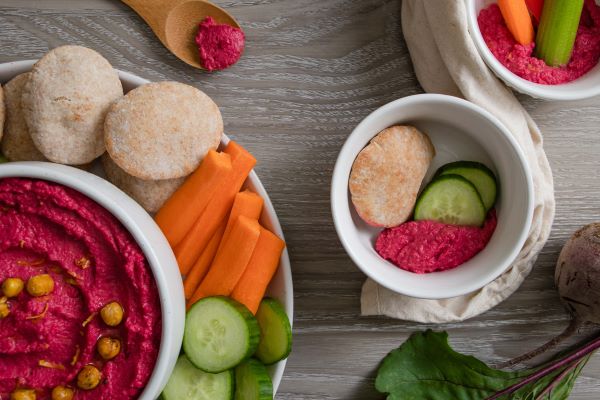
<point>46,228</point>
<point>219,45</point>
<point>520,59</point>
<point>429,246</point>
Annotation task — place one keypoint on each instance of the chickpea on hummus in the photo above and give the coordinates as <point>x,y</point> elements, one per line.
<point>80,314</point>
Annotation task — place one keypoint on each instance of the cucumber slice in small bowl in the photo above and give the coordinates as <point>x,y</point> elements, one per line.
<point>253,381</point>
<point>219,334</point>
<point>450,199</point>
<point>479,175</point>
<point>275,332</point>
<point>189,383</point>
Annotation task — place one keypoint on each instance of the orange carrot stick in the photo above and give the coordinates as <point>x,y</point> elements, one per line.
<point>246,203</point>
<point>182,209</point>
<point>196,240</point>
<point>200,268</point>
<point>260,270</point>
<point>517,18</point>
<point>230,261</point>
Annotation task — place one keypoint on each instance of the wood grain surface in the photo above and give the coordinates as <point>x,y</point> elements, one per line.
<point>312,70</point>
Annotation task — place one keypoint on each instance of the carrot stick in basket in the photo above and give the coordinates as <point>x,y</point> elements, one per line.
<point>194,243</point>
<point>230,261</point>
<point>246,203</point>
<point>176,217</point>
<point>260,270</point>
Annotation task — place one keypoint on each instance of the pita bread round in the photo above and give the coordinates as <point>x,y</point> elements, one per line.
<point>150,194</point>
<point>2,111</point>
<point>387,174</point>
<point>65,101</point>
<point>16,142</point>
<point>162,130</point>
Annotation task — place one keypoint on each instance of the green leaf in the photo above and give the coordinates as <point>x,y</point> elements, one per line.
<point>426,368</point>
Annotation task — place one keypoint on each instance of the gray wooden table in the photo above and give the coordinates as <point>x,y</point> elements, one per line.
<point>312,70</point>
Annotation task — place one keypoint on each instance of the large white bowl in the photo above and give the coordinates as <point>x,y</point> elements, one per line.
<point>459,130</point>
<point>584,87</point>
<point>152,242</point>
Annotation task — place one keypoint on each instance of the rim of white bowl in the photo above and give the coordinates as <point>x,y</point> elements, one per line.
<point>547,92</point>
<point>340,197</point>
<point>277,369</point>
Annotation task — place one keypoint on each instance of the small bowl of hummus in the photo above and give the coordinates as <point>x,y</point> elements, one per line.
<point>92,298</point>
<point>518,65</point>
<point>432,197</point>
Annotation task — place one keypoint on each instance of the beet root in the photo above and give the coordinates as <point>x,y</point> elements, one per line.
<point>577,277</point>
<point>577,274</point>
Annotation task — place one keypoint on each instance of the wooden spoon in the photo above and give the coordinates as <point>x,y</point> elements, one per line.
<point>175,23</point>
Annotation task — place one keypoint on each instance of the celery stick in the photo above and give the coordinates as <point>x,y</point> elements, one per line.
<point>557,31</point>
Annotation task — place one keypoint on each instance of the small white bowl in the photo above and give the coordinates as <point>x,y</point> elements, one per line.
<point>153,243</point>
<point>582,88</point>
<point>459,130</point>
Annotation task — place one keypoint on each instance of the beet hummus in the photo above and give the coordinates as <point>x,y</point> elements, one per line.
<point>219,45</point>
<point>520,59</point>
<point>45,341</point>
<point>428,246</point>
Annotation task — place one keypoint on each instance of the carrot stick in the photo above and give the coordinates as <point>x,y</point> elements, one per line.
<point>182,209</point>
<point>260,270</point>
<point>517,18</point>
<point>200,268</point>
<point>196,240</point>
<point>230,261</point>
<point>246,203</point>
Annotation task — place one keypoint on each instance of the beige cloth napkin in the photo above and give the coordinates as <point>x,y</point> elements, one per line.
<point>446,61</point>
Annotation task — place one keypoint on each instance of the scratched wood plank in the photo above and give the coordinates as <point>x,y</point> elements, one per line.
<point>312,70</point>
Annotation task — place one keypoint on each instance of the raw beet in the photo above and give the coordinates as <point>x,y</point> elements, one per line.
<point>577,274</point>
<point>577,277</point>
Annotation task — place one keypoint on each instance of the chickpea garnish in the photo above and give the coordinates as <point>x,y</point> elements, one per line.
<point>62,393</point>
<point>23,394</point>
<point>4,310</point>
<point>11,287</point>
<point>108,347</point>
<point>40,285</point>
<point>89,377</point>
<point>112,314</point>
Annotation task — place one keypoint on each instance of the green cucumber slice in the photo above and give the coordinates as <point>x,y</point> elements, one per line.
<point>219,334</point>
<point>253,381</point>
<point>450,199</point>
<point>275,332</point>
<point>189,383</point>
<point>479,175</point>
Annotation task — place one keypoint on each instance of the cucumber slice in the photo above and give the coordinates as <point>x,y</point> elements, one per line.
<point>450,199</point>
<point>479,175</point>
<point>219,334</point>
<point>189,383</point>
<point>275,332</point>
<point>253,381</point>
